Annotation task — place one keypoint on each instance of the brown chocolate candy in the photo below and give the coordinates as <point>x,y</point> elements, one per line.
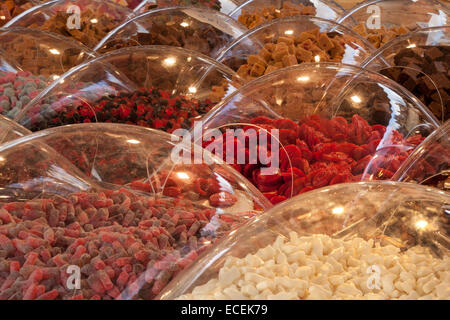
<point>424,70</point>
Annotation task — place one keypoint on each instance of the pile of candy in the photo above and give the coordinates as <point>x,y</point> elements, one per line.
<point>285,51</point>
<point>321,267</point>
<point>153,108</point>
<point>253,18</point>
<point>317,152</point>
<point>424,70</point>
<point>125,245</point>
<point>18,89</point>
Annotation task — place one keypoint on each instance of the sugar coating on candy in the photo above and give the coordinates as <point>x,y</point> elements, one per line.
<point>317,152</point>
<point>257,16</point>
<point>321,267</point>
<point>152,108</point>
<point>126,245</point>
<point>18,89</point>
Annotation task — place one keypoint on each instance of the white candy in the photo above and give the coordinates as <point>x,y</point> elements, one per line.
<point>320,267</point>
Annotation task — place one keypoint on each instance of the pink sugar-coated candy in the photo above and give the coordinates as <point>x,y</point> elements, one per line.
<point>36,276</point>
<point>23,74</point>
<point>114,258</point>
<point>14,266</point>
<point>51,295</point>
<point>30,292</point>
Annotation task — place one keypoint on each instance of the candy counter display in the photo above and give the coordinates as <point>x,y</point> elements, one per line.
<point>295,40</point>
<point>204,30</point>
<point>314,125</point>
<point>224,6</point>
<point>255,12</point>
<point>31,60</point>
<point>419,61</point>
<point>42,53</point>
<point>332,244</point>
<point>429,163</point>
<point>12,8</point>
<point>86,21</point>
<point>129,235</point>
<point>170,88</point>
<point>381,21</point>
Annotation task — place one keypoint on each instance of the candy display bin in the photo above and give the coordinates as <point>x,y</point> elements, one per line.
<point>312,125</point>
<point>381,21</point>
<point>204,30</point>
<point>429,163</point>
<point>133,208</point>
<point>224,6</point>
<point>30,60</point>
<point>42,53</point>
<point>86,21</point>
<point>385,234</point>
<point>153,86</point>
<point>11,8</point>
<point>419,61</point>
<point>294,40</point>
<point>79,84</point>
<point>252,13</point>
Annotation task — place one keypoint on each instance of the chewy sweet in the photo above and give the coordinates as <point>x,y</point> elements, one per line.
<point>379,37</point>
<point>18,89</point>
<point>257,16</point>
<point>125,245</point>
<point>285,51</point>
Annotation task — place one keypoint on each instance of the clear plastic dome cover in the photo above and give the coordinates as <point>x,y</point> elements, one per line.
<point>128,218</point>
<point>314,125</point>
<point>429,163</point>
<point>419,61</point>
<point>7,64</point>
<point>153,86</point>
<point>377,240</point>
<point>42,53</point>
<point>86,21</point>
<point>252,13</point>
<point>30,60</point>
<point>294,40</point>
<point>11,8</point>
<point>10,130</point>
<point>224,6</point>
<point>381,21</point>
<point>204,30</point>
